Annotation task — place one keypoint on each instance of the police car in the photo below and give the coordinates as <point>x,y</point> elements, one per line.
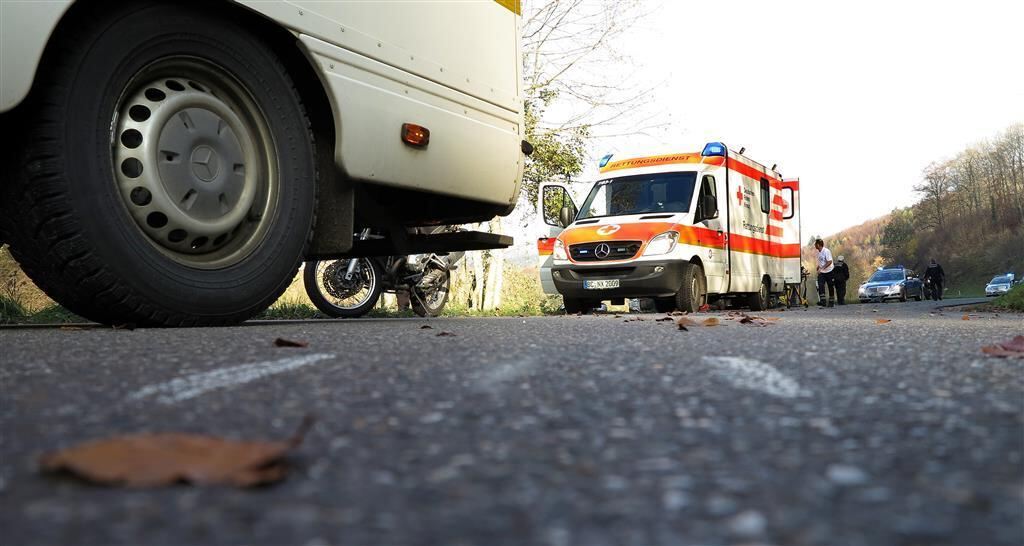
<point>891,283</point>
<point>1000,285</point>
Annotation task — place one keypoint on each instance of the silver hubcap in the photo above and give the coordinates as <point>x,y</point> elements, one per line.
<point>194,162</point>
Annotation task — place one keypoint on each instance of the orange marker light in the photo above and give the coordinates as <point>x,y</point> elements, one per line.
<point>415,135</point>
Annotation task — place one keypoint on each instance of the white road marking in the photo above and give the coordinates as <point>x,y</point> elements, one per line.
<point>191,386</point>
<point>493,378</point>
<point>750,374</point>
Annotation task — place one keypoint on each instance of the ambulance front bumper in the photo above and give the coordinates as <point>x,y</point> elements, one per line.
<point>648,279</point>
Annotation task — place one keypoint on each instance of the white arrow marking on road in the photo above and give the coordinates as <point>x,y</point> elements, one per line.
<point>750,374</point>
<point>191,386</point>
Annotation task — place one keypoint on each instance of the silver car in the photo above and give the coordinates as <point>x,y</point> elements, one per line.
<point>999,285</point>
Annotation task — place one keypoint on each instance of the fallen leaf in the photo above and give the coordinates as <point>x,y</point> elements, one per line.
<point>635,319</point>
<point>445,334</point>
<point>1007,349</point>
<point>282,342</point>
<point>679,313</point>
<point>664,319</point>
<point>712,321</point>
<point>426,327</point>
<point>71,328</point>
<point>616,316</point>
<point>773,319</point>
<point>685,324</point>
<point>753,321</point>
<point>965,317</point>
<point>150,460</point>
<point>882,320</point>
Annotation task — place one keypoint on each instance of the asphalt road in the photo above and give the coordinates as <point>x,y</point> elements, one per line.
<point>823,427</point>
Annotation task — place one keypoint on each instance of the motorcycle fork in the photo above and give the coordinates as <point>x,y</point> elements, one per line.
<point>354,262</point>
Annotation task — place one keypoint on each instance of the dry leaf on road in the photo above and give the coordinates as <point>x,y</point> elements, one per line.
<point>426,327</point>
<point>1007,349</point>
<point>282,342</point>
<point>664,319</point>
<point>882,321</point>
<point>685,324</point>
<point>150,460</point>
<point>445,334</point>
<point>711,322</point>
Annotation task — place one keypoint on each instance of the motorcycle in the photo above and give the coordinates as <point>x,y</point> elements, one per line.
<point>930,290</point>
<point>350,287</point>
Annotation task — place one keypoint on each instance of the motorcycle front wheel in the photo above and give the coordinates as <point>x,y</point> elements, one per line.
<point>338,297</point>
<point>430,300</point>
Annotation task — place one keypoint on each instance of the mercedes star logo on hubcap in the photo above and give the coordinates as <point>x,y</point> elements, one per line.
<point>205,163</point>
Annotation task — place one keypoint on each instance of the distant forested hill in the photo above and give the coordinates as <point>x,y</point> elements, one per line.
<point>970,218</point>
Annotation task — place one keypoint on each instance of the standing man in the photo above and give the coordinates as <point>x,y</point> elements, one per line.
<point>936,275</point>
<point>841,274</point>
<point>825,278</point>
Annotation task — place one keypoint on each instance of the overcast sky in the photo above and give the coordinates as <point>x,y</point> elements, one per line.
<point>854,98</point>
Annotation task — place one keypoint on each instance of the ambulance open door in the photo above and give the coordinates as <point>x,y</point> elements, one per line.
<point>556,210</point>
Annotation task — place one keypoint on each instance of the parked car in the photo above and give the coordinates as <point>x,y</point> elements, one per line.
<point>892,283</point>
<point>1000,284</point>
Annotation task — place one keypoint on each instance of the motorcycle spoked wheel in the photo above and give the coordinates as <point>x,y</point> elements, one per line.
<point>430,301</point>
<point>338,297</point>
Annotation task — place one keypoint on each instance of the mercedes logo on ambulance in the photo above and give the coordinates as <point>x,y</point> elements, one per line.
<point>602,250</point>
<point>609,229</point>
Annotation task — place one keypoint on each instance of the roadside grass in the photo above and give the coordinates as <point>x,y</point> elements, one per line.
<point>12,311</point>
<point>1011,301</point>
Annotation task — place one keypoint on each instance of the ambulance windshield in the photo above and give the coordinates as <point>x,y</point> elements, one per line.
<point>640,194</point>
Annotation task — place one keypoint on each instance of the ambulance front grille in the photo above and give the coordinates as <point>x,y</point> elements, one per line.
<point>617,250</point>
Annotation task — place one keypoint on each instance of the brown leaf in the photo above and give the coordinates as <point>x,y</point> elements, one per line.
<point>282,342</point>
<point>634,319</point>
<point>965,317</point>
<point>679,313</point>
<point>712,321</point>
<point>1007,349</point>
<point>150,460</point>
<point>445,334</point>
<point>685,324</point>
<point>882,320</point>
<point>426,327</point>
<point>664,319</point>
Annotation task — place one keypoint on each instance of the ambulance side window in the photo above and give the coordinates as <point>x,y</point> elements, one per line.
<point>787,207</point>
<point>766,204</point>
<point>707,200</point>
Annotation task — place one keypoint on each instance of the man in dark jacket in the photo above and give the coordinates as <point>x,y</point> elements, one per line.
<point>841,274</point>
<point>936,275</point>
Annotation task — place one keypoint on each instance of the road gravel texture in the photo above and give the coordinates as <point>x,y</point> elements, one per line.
<point>823,427</point>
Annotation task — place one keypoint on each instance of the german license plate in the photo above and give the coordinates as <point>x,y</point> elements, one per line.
<point>601,285</point>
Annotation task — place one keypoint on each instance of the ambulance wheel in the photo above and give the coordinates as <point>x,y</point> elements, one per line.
<point>692,294</point>
<point>759,300</point>
<point>575,306</point>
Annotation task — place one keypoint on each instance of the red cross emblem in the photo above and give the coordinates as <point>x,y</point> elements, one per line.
<point>739,194</point>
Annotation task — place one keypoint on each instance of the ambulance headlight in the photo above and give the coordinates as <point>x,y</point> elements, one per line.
<point>559,251</point>
<point>662,244</point>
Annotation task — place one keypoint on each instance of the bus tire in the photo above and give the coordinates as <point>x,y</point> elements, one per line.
<point>168,176</point>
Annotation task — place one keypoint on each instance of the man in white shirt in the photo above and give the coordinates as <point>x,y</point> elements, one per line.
<point>825,276</point>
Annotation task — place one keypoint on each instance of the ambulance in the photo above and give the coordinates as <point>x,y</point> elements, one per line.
<point>685,229</point>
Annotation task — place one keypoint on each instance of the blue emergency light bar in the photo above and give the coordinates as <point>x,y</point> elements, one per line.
<point>605,160</point>
<point>713,149</point>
